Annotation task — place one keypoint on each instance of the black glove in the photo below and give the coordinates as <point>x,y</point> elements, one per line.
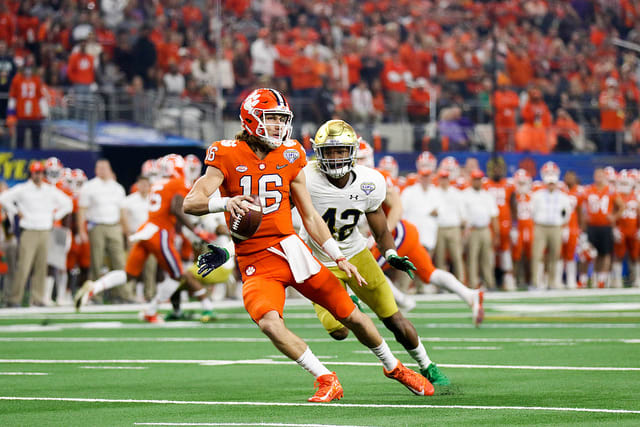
<point>402,263</point>
<point>209,261</point>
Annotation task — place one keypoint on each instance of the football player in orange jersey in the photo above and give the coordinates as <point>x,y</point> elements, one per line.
<point>603,208</point>
<point>523,240</point>
<point>27,104</point>
<point>625,233</point>
<point>571,233</point>
<point>504,193</point>
<point>156,236</point>
<point>263,160</point>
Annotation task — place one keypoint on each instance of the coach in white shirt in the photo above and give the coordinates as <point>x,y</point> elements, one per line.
<point>419,203</point>
<point>481,212</point>
<point>101,204</point>
<point>451,218</point>
<point>551,210</point>
<point>38,205</point>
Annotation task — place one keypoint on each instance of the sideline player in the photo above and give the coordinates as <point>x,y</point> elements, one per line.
<point>343,192</point>
<point>156,236</point>
<point>263,160</point>
<point>407,241</point>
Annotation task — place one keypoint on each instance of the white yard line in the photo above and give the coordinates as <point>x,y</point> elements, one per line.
<point>215,362</point>
<point>539,341</point>
<point>331,406</point>
<point>244,424</point>
<point>302,302</point>
<point>23,373</point>
<point>114,367</point>
<point>191,325</point>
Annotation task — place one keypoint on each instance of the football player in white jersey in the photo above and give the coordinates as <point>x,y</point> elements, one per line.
<point>342,192</point>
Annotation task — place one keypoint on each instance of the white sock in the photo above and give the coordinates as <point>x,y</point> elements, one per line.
<point>571,270</point>
<point>616,270</point>
<point>49,281</point>
<point>636,274</point>
<point>602,277</point>
<point>207,304</point>
<point>558,279</point>
<point>448,281</point>
<point>383,352</point>
<point>61,285</point>
<point>163,292</point>
<point>309,362</point>
<point>110,280</point>
<point>419,354</point>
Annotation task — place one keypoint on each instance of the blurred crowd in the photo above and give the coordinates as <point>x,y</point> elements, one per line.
<point>560,75</point>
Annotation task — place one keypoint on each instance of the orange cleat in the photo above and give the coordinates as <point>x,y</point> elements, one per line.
<point>153,318</point>
<point>329,388</point>
<point>415,382</point>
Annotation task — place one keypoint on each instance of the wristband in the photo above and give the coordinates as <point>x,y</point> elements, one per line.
<point>390,252</point>
<point>218,204</point>
<point>332,249</point>
<point>344,258</point>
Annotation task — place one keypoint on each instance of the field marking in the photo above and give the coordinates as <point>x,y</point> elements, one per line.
<point>532,341</point>
<point>565,307</point>
<point>219,362</point>
<point>23,373</point>
<point>191,325</point>
<point>245,424</point>
<point>113,367</point>
<point>304,303</point>
<point>476,347</point>
<point>329,406</point>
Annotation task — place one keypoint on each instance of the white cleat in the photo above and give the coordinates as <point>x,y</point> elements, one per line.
<point>477,310</point>
<point>83,294</point>
<point>406,304</point>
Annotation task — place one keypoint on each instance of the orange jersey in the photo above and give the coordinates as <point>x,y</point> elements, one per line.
<point>599,204</point>
<point>524,210</point>
<point>27,91</point>
<point>160,196</point>
<point>576,195</point>
<point>628,221</point>
<point>270,178</point>
<point>502,192</point>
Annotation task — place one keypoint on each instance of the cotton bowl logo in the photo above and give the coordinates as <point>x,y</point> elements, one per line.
<point>250,270</point>
<point>367,187</point>
<point>291,155</point>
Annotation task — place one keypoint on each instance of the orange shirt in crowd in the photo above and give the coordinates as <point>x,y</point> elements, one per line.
<point>304,73</point>
<point>282,66</point>
<point>27,92</point>
<point>611,111</point>
<point>393,77</point>
<point>419,101</point>
<point>354,65</point>
<point>81,68</point>
<point>519,69</point>
<point>599,205</point>
<point>565,126</point>
<point>28,28</point>
<point>7,27</point>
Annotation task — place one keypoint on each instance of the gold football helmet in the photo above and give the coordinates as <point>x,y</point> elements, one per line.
<point>336,146</point>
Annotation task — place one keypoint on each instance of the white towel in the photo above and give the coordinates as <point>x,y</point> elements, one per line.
<point>303,265</point>
<point>145,232</point>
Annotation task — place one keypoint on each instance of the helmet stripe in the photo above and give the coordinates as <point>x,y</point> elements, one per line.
<point>279,98</point>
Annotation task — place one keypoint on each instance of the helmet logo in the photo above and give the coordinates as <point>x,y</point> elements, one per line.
<point>251,101</point>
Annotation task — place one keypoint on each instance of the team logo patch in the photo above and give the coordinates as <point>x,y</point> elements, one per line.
<point>250,270</point>
<point>367,187</point>
<point>261,166</point>
<point>242,168</point>
<point>291,155</point>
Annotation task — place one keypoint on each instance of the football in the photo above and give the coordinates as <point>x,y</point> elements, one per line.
<point>245,226</point>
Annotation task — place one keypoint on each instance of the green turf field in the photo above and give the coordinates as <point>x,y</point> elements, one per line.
<point>568,358</point>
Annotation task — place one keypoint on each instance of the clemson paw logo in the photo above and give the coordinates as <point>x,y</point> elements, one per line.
<point>250,270</point>
<point>251,101</point>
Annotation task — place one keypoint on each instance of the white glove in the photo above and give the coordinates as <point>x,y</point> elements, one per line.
<point>513,234</point>
<point>565,234</point>
<point>617,235</point>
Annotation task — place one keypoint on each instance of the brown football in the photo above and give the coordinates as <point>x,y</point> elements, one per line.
<point>245,226</point>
